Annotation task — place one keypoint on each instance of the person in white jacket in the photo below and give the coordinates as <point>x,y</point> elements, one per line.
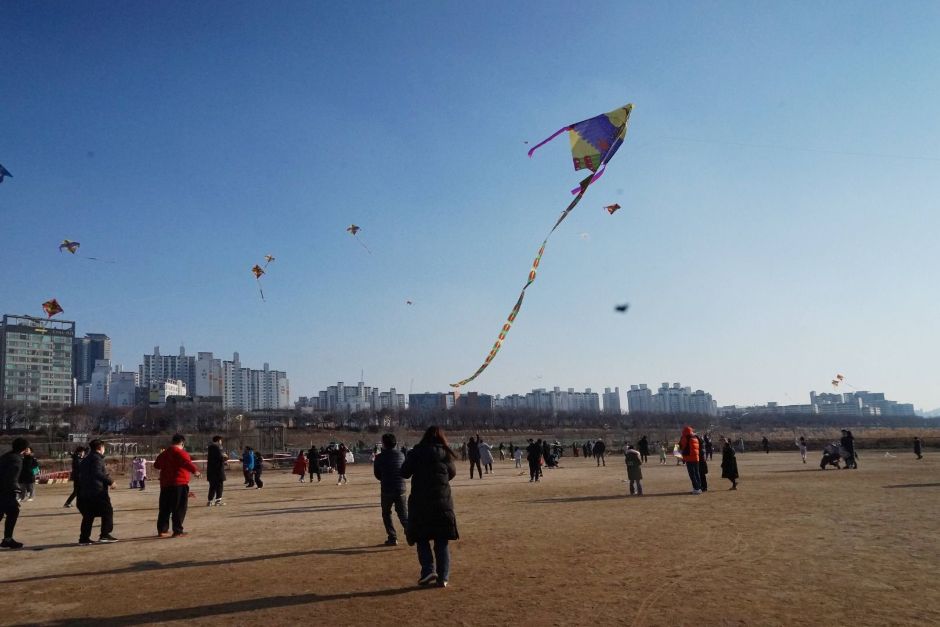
<point>486,456</point>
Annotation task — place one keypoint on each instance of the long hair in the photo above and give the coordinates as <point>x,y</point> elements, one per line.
<point>435,435</point>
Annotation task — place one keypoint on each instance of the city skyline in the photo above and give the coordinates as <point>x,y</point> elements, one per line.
<point>778,189</point>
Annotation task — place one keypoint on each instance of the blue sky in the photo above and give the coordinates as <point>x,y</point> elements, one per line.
<point>779,189</point>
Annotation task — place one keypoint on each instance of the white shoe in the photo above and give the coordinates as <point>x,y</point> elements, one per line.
<point>696,491</point>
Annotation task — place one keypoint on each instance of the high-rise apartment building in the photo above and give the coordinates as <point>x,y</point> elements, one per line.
<point>244,388</point>
<point>612,401</point>
<point>640,399</point>
<point>157,367</point>
<point>86,351</point>
<point>36,361</point>
<point>208,375</point>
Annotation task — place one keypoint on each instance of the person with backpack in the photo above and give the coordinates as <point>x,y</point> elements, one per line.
<point>175,467</point>
<point>599,451</point>
<point>77,456</point>
<point>387,469</point>
<point>11,466</point>
<point>94,501</point>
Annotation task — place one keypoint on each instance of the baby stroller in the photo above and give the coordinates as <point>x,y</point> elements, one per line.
<point>832,453</point>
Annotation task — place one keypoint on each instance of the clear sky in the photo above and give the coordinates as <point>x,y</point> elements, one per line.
<point>780,186</point>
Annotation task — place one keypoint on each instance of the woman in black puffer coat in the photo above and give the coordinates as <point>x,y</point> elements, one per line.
<point>430,466</point>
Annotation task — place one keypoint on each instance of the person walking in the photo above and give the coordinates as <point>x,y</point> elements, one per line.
<point>688,446</point>
<point>918,448</point>
<point>248,466</point>
<point>387,469</point>
<point>634,459</point>
<point>77,456</point>
<point>702,464</point>
<point>28,477</point>
<point>430,466</point>
<point>765,443</point>
<point>257,469</point>
<point>643,446</point>
<point>517,457</point>
<point>94,501</point>
<point>216,459</point>
<point>341,464</point>
<point>486,455</point>
<point>175,467</point>
<point>139,473</point>
<point>801,444</point>
<point>534,457</point>
<point>473,454</point>
<point>300,466</point>
<point>599,450</point>
<point>729,464</point>
<point>11,465</point>
<point>313,462</point>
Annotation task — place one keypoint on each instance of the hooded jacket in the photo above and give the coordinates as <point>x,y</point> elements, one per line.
<point>430,506</point>
<point>688,445</point>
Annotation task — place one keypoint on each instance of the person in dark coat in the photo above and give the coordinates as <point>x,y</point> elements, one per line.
<point>313,462</point>
<point>430,466</point>
<point>918,450</point>
<point>765,443</point>
<point>11,465</point>
<point>28,477</point>
<point>702,464</point>
<point>73,476</point>
<point>599,450</point>
<point>93,498</point>
<point>387,469</point>
<point>709,446</point>
<point>473,454</point>
<point>634,459</point>
<point>215,471</point>
<point>848,445</point>
<point>729,464</point>
<point>257,469</point>
<point>534,456</point>
<point>643,446</point>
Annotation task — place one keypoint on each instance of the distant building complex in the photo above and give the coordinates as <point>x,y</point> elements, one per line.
<point>670,400</point>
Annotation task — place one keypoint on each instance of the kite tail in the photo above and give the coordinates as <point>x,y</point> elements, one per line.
<point>361,243</point>
<point>594,177</point>
<point>545,141</point>
<point>529,281</point>
<point>260,291</point>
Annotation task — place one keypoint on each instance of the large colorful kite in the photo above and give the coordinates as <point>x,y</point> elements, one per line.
<point>593,143</point>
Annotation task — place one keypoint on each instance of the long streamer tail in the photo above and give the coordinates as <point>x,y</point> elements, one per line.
<point>260,291</point>
<point>361,243</point>
<point>545,141</point>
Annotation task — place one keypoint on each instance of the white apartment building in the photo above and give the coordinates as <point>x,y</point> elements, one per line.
<point>640,399</point>
<point>208,375</point>
<point>162,390</point>
<point>157,367</point>
<point>612,401</point>
<point>244,388</point>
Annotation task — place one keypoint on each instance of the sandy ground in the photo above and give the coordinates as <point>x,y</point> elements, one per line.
<point>794,545</point>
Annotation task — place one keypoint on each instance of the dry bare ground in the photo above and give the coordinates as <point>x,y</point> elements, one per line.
<point>794,545</point>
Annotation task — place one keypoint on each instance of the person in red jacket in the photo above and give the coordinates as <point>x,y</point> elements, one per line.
<point>175,467</point>
<point>688,445</point>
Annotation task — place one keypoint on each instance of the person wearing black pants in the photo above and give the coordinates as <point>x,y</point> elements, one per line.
<point>702,464</point>
<point>73,477</point>
<point>313,463</point>
<point>533,454</point>
<point>256,473</point>
<point>11,464</point>
<point>175,467</point>
<point>174,503</point>
<point>215,470</point>
<point>473,454</point>
<point>387,469</point>
<point>93,498</point>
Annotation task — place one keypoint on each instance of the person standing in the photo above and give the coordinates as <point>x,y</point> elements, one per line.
<point>73,476</point>
<point>801,444</point>
<point>387,469</point>
<point>599,450</point>
<point>341,464</point>
<point>634,459</point>
<point>502,452</point>
<point>430,466</point>
<point>918,448</point>
<point>28,476</point>
<point>94,501</point>
<point>215,471</point>
<point>662,453</point>
<point>248,466</point>
<point>702,464</point>
<point>729,464</point>
<point>517,457</point>
<point>848,445</point>
<point>257,469</point>
<point>765,443</point>
<point>175,467</point>
<point>300,466</point>
<point>534,456</point>
<point>139,476</point>
<point>486,455</point>
<point>473,454</point>
<point>643,446</point>
<point>313,462</point>
<point>709,447</point>
<point>688,446</point>
<point>11,465</point>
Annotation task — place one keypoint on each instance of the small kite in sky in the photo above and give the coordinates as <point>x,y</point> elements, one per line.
<point>4,172</point>
<point>612,208</point>
<point>268,259</point>
<point>353,230</point>
<point>622,308</point>
<point>408,302</point>
<point>69,245</point>
<point>585,236</point>
<point>593,142</point>
<point>52,307</point>
<point>258,271</point>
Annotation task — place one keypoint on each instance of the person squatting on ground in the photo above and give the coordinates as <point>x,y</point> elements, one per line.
<point>138,473</point>
<point>387,469</point>
<point>11,465</point>
<point>473,454</point>
<point>534,457</point>
<point>313,462</point>
<point>94,501</point>
<point>688,446</point>
<point>634,459</point>
<point>28,477</point>
<point>918,450</point>
<point>257,469</point>
<point>175,467</point>
<point>73,476</point>
<point>430,466</point>
<point>801,444</point>
<point>215,471</point>
<point>729,464</point>
<point>300,466</point>
<point>599,449</point>
<point>248,467</point>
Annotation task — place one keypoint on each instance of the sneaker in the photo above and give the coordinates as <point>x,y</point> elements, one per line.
<point>67,505</point>
<point>442,583</point>
<point>10,543</point>
<point>696,491</point>
<point>30,499</point>
<point>85,542</point>
<point>219,502</point>
<point>163,534</point>
<point>429,578</point>
<point>180,534</point>
<point>391,542</point>
<point>107,539</point>
<point>210,503</point>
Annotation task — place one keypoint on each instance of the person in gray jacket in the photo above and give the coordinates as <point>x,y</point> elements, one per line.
<point>387,469</point>
<point>93,498</point>
<point>11,465</point>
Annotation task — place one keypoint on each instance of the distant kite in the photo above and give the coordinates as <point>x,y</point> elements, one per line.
<point>69,245</point>
<point>408,302</point>
<point>622,308</point>
<point>612,208</point>
<point>52,307</point>
<point>258,271</point>
<point>268,259</point>
<point>353,230</point>
<point>585,236</point>
<point>593,142</point>
<point>4,172</point>
<point>840,380</point>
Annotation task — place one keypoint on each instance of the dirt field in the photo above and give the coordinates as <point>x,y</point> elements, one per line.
<point>794,545</point>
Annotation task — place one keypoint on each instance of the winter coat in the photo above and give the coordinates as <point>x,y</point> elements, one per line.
<point>248,461</point>
<point>473,450</point>
<point>258,464</point>
<point>634,461</point>
<point>688,445</point>
<point>174,465</point>
<point>430,506</point>
<point>300,465</point>
<point>486,454</point>
<point>215,463</point>
<point>387,469</point>
<point>140,469</point>
<point>599,448</point>
<point>533,452</point>
<point>729,464</point>
<point>313,459</point>
<point>643,446</point>
<point>341,460</point>
<point>29,471</point>
<point>11,465</point>
<point>76,460</point>
<point>917,447</point>
<point>93,477</point>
